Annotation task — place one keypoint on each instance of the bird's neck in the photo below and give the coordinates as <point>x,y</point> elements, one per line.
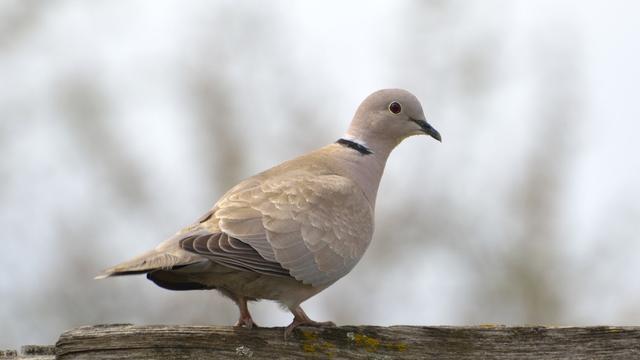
<point>364,162</point>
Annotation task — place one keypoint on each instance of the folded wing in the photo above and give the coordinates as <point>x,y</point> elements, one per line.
<point>313,228</point>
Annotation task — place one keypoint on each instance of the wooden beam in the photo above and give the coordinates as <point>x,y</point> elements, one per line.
<point>125,341</point>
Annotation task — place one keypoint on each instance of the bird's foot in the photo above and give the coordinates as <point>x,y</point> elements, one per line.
<point>305,322</point>
<point>245,322</point>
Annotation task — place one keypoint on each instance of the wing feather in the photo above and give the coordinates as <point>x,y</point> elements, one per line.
<point>235,254</point>
<point>316,227</point>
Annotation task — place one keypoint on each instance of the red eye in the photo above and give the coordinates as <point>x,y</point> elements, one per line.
<point>395,107</point>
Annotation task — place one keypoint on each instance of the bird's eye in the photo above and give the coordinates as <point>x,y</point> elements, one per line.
<point>395,107</point>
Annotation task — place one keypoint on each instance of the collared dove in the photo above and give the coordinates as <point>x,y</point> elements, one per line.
<point>289,232</point>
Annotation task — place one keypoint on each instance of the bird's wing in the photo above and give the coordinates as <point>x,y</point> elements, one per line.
<point>231,252</point>
<point>314,227</point>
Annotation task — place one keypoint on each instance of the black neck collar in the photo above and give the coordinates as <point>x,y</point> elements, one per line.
<point>355,146</point>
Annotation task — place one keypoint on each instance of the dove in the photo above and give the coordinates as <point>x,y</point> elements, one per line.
<point>291,231</point>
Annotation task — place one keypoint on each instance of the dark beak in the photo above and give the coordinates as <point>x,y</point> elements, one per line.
<point>428,129</point>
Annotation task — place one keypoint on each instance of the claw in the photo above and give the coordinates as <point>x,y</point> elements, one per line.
<point>301,319</point>
<point>245,320</point>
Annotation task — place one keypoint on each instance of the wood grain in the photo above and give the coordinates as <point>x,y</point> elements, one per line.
<point>125,341</point>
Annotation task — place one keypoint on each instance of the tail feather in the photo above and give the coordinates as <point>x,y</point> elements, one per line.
<point>152,260</point>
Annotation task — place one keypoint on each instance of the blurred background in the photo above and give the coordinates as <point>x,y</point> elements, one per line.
<point>122,121</point>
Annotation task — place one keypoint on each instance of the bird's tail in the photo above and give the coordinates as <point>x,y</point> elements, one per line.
<point>149,261</point>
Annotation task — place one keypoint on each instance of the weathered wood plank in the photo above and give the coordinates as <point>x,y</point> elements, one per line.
<point>30,352</point>
<point>126,341</point>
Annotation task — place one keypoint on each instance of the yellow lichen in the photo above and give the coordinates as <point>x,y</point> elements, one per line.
<point>311,344</point>
<point>306,347</point>
<point>399,346</point>
<point>309,335</point>
<point>371,344</point>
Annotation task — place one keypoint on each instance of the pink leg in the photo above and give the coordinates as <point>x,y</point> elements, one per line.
<point>301,319</point>
<point>245,319</point>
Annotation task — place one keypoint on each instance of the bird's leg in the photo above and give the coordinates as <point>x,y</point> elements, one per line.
<point>245,319</point>
<point>301,319</point>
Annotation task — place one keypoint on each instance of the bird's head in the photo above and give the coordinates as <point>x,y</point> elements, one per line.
<point>390,115</point>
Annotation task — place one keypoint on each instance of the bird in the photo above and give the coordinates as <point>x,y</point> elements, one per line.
<point>287,233</point>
